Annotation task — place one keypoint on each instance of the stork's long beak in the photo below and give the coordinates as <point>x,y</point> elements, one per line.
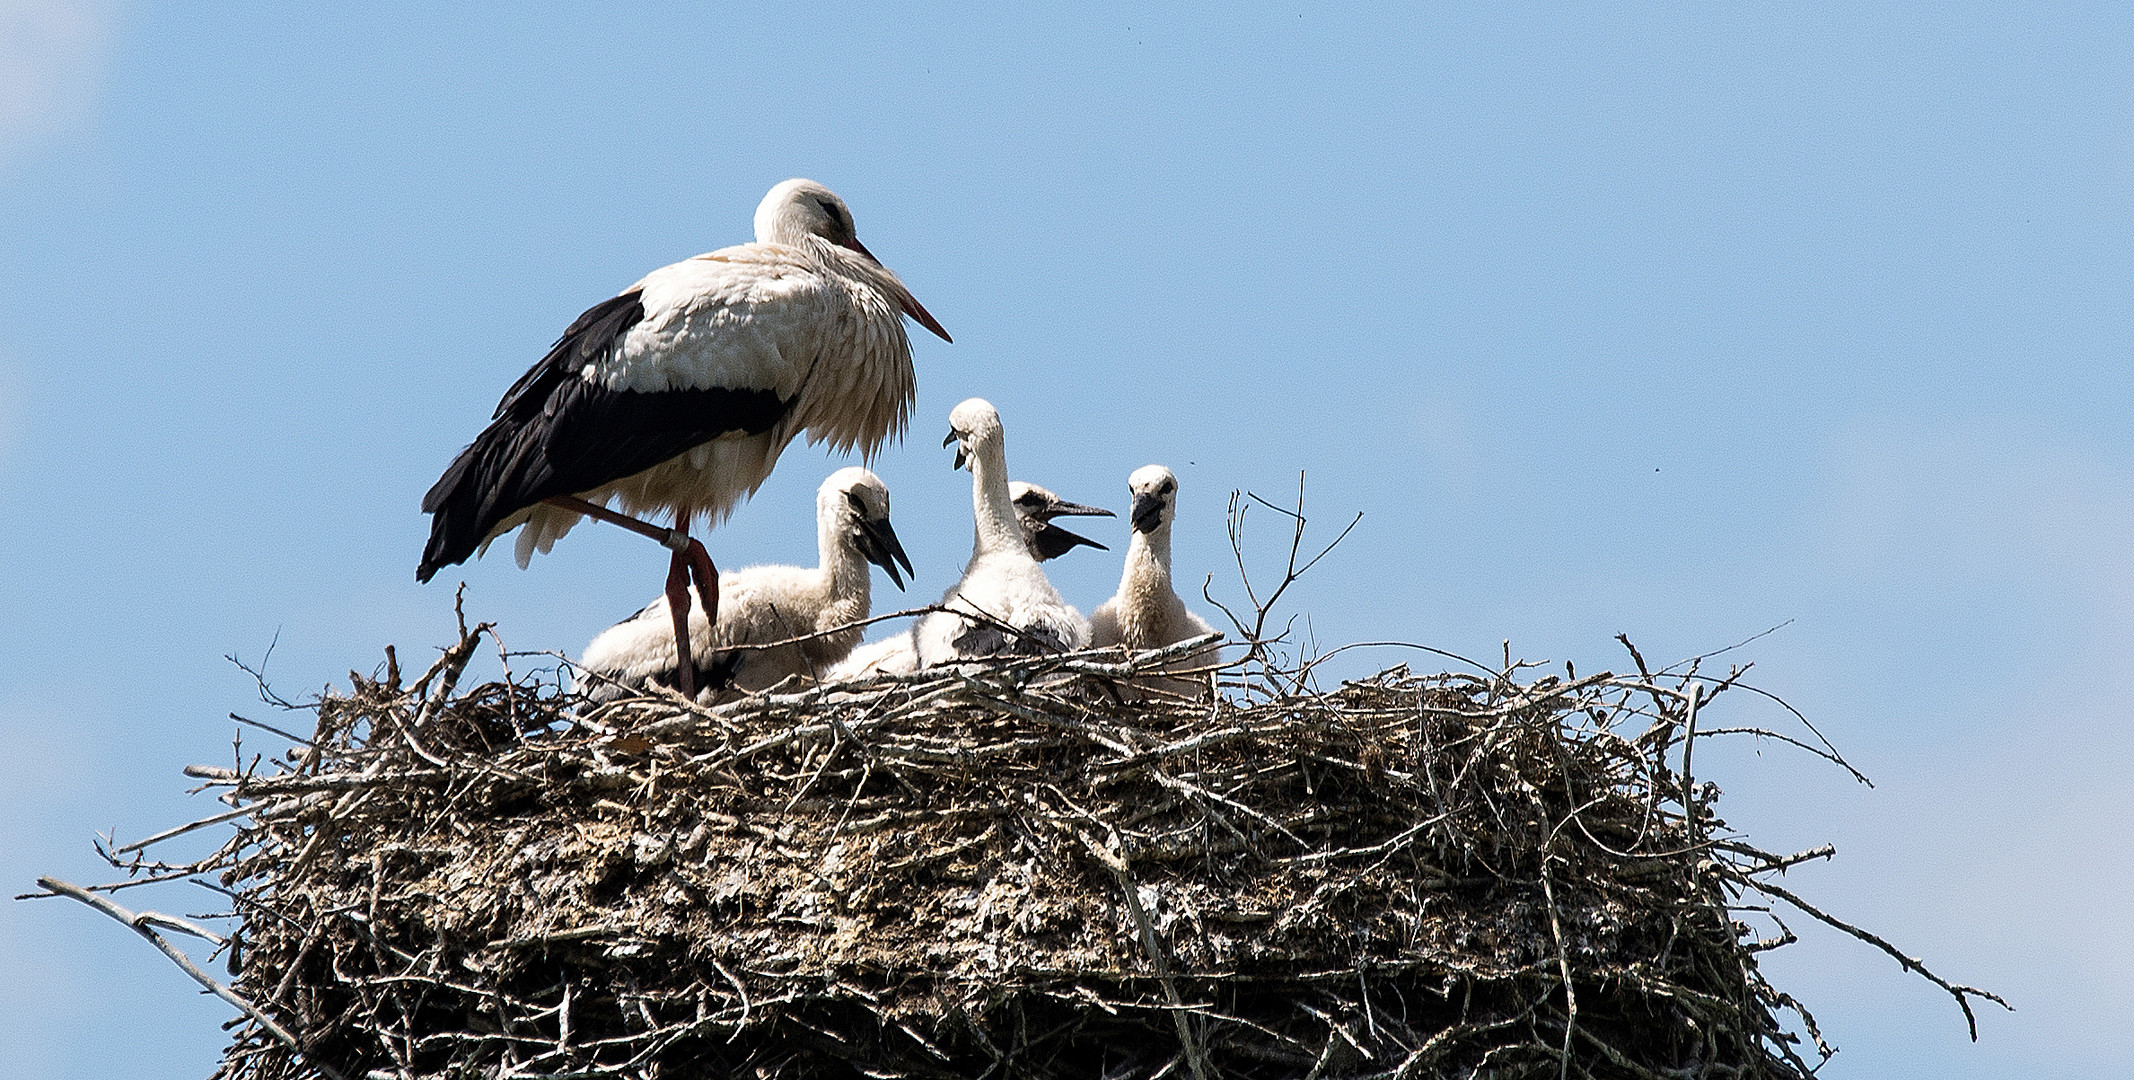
<point>878,545</point>
<point>952,437</point>
<point>1049,541</point>
<point>1148,510</point>
<point>908,302</point>
<point>1063,508</point>
<point>920,315</point>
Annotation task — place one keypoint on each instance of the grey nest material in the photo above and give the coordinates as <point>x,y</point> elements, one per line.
<point>1003,871</point>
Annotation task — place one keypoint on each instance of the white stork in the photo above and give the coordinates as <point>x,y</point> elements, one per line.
<point>1147,613</point>
<point>1035,507</point>
<point>678,395</point>
<point>763,604</point>
<point>1013,609</point>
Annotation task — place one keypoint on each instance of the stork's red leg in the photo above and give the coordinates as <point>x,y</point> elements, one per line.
<point>698,561</point>
<point>707,578</point>
<point>689,558</point>
<point>685,672</point>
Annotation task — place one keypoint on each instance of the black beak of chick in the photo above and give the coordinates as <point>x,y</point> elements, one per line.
<point>952,437</point>
<point>1068,509</point>
<point>878,545</point>
<point>1049,541</point>
<point>1148,511</point>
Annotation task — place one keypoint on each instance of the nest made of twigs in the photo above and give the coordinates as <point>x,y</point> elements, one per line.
<point>1004,870</point>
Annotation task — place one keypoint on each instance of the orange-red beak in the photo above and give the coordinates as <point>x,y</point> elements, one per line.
<point>911,305</point>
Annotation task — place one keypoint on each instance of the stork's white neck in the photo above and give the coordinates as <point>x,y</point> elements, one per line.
<point>841,561</point>
<point>1148,558</point>
<point>992,507</point>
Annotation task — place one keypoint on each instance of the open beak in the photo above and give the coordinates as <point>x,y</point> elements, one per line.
<point>1049,541</point>
<point>1148,510</point>
<point>878,545</point>
<point>910,304</point>
<point>959,450</point>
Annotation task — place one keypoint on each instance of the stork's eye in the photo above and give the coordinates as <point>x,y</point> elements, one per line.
<point>854,498</point>
<point>1166,487</point>
<point>830,208</point>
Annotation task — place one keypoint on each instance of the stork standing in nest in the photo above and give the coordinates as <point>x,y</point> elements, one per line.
<point>1003,605</point>
<point>677,397</point>
<point>1147,612</point>
<point>766,604</point>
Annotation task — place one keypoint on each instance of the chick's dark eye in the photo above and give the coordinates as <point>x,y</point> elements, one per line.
<point>831,209</point>
<point>1167,487</point>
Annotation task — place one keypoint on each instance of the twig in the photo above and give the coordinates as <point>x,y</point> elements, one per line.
<point>1911,964</point>
<point>144,924</point>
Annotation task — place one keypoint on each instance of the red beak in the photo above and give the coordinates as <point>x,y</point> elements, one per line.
<point>911,305</point>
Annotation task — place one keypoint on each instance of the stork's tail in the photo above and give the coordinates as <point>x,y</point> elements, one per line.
<point>455,526</point>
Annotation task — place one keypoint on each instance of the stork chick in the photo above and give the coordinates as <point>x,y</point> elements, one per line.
<point>765,604</point>
<point>1147,613</point>
<point>1035,507</point>
<point>1013,609</point>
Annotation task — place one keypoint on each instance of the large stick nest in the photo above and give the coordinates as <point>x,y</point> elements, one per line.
<point>1005,871</point>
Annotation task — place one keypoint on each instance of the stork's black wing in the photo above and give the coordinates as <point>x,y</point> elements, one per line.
<point>589,338</point>
<point>555,433</point>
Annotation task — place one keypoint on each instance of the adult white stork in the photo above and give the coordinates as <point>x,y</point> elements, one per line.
<point>678,395</point>
<point>1147,612</point>
<point>765,604</point>
<point>1004,605</point>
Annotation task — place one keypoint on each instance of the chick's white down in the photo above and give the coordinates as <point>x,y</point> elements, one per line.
<point>762,604</point>
<point>1016,609</point>
<point>1035,507</point>
<point>1147,612</point>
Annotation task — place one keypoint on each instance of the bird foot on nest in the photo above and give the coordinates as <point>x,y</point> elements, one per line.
<point>690,560</point>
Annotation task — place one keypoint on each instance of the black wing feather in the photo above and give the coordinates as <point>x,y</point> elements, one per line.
<point>557,434</point>
<point>588,338</point>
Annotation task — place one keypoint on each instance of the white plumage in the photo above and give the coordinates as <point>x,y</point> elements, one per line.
<point>1035,507</point>
<point>1147,612</point>
<point>894,655</point>
<point>763,604</point>
<point>679,394</point>
<point>1022,612</point>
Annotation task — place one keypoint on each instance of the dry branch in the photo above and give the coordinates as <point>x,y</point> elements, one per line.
<point>1001,869</point>
<point>997,870</point>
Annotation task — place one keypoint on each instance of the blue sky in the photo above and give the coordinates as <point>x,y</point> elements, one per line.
<point>1668,321</point>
